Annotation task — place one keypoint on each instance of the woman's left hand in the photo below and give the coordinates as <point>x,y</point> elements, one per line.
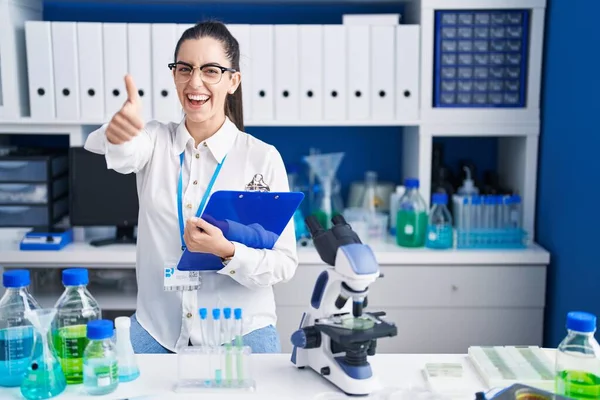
<point>200,236</point>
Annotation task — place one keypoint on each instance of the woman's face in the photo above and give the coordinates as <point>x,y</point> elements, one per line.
<point>201,101</point>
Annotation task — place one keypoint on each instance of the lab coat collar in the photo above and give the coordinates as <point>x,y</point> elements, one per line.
<point>218,144</point>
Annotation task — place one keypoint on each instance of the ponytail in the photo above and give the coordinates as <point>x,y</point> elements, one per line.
<point>234,109</point>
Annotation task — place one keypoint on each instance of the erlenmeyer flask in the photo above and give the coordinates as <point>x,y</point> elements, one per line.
<point>45,378</point>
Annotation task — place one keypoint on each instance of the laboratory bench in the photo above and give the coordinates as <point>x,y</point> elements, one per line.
<point>277,378</point>
<point>425,292</point>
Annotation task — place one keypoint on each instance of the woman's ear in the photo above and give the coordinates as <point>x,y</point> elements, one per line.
<point>236,78</point>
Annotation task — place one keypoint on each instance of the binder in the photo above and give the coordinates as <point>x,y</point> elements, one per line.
<point>335,91</point>
<point>140,61</point>
<point>114,43</point>
<point>383,86</point>
<point>287,74</point>
<point>40,71</point>
<point>241,32</point>
<point>311,72</point>
<point>91,76</point>
<point>408,74</point>
<point>255,219</point>
<point>166,106</point>
<point>66,71</point>
<point>371,19</point>
<point>262,65</point>
<point>359,72</point>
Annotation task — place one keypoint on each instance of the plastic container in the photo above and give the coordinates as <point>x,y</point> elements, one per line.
<point>16,332</point>
<point>578,359</point>
<point>411,220</point>
<point>128,367</point>
<point>100,367</point>
<point>468,187</point>
<point>75,308</point>
<point>439,228</point>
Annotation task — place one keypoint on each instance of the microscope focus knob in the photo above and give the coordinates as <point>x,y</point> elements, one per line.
<point>307,338</point>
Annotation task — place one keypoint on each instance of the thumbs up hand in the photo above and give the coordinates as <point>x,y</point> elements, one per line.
<point>128,121</point>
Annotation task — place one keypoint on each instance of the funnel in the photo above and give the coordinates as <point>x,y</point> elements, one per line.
<point>325,167</point>
<point>45,378</point>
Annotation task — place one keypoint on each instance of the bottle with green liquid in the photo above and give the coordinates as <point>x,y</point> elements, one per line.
<point>578,359</point>
<point>75,308</point>
<point>411,220</point>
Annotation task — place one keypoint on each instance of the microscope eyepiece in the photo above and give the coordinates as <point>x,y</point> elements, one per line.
<point>313,225</point>
<point>338,220</point>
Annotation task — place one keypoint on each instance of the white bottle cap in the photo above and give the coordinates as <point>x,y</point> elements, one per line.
<point>122,323</point>
<point>468,184</point>
<point>400,189</point>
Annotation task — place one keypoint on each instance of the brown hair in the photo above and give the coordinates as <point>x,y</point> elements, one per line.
<point>218,31</point>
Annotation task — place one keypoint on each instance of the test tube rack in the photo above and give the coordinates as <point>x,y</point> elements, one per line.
<point>503,366</point>
<point>214,368</point>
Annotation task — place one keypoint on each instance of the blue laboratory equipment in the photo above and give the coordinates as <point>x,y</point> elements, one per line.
<point>481,58</point>
<point>439,228</point>
<point>16,332</point>
<point>100,366</point>
<point>128,367</point>
<point>44,378</point>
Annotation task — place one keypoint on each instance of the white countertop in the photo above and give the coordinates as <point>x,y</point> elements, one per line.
<point>387,253</point>
<point>278,379</point>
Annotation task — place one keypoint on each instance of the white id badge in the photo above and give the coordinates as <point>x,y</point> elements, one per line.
<point>176,280</point>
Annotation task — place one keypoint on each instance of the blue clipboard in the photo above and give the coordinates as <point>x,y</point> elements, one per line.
<point>255,219</point>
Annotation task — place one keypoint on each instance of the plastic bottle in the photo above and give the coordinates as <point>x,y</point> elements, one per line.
<point>128,367</point>
<point>395,206</point>
<point>468,187</point>
<point>100,367</point>
<point>439,229</point>
<point>578,359</point>
<point>75,308</point>
<point>16,332</point>
<point>411,222</point>
<point>370,202</point>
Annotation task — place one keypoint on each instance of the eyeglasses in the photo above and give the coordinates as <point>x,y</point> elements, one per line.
<point>210,74</point>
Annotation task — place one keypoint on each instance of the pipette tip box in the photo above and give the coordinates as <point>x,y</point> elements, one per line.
<point>214,368</point>
<point>503,366</point>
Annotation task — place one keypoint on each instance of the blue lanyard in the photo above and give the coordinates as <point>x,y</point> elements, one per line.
<point>204,198</point>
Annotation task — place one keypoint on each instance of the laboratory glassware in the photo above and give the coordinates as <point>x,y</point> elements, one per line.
<point>325,167</point>
<point>439,228</point>
<point>411,221</point>
<point>44,378</point>
<point>128,366</point>
<point>75,308</point>
<point>100,366</point>
<point>16,332</point>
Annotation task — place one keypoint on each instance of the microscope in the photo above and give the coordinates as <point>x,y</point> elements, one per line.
<point>335,335</point>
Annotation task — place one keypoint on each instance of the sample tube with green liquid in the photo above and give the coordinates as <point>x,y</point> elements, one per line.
<point>411,222</point>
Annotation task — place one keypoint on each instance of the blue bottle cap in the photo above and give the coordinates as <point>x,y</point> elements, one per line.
<point>476,200</point>
<point>411,183</point>
<point>16,278</point>
<point>203,313</point>
<point>227,312</point>
<point>580,321</point>
<point>75,277</point>
<point>99,329</point>
<point>237,313</point>
<point>516,199</point>
<point>216,312</point>
<point>488,200</point>
<point>439,198</point>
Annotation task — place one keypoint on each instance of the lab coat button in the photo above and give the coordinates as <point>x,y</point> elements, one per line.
<point>195,182</point>
<point>189,315</point>
<point>189,205</point>
<point>197,155</point>
<point>205,144</point>
<point>232,272</point>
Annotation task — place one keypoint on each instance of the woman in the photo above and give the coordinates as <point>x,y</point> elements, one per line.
<point>177,163</point>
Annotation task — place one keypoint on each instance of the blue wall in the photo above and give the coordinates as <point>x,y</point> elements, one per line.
<point>375,148</point>
<point>567,218</point>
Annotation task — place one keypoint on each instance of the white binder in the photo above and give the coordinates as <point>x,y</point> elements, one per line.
<point>359,72</point>
<point>166,105</point>
<point>91,76</point>
<point>335,98</point>
<point>407,72</point>
<point>38,37</point>
<point>66,71</point>
<point>140,64</point>
<point>383,86</point>
<point>311,72</point>
<point>114,42</point>
<point>287,74</point>
<point>261,42</point>
<point>241,32</point>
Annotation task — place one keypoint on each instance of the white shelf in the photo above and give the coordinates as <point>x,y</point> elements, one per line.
<point>107,300</point>
<point>387,253</point>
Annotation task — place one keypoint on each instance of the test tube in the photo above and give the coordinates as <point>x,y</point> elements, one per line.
<point>239,344</point>
<point>515,212</point>
<point>206,341</point>
<point>216,342</point>
<point>499,212</point>
<point>227,338</point>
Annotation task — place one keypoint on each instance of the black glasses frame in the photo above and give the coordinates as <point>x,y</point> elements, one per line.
<point>223,69</point>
